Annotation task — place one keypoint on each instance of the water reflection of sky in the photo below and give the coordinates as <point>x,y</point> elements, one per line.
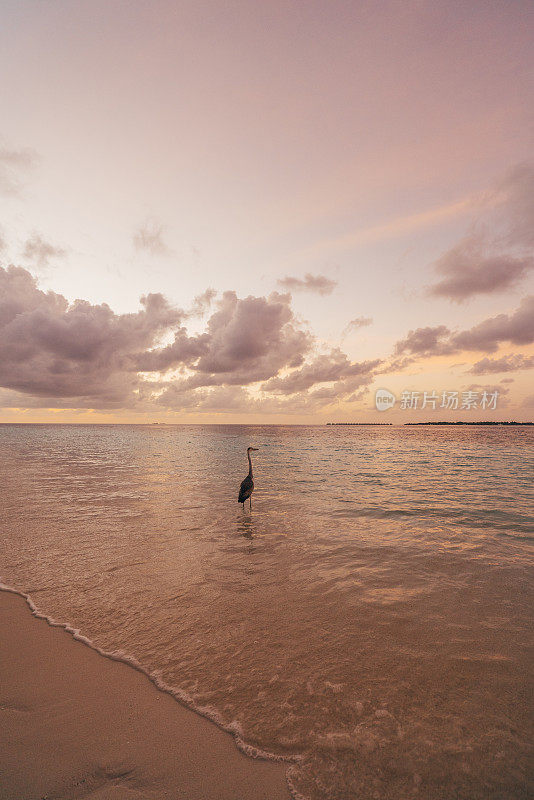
<point>393,563</point>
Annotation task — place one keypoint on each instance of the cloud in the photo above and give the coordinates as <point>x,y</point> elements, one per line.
<point>396,365</point>
<point>202,302</point>
<point>13,165</point>
<point>425,342</point>
<point>149,238</point>
<point>358,322</point>
<point>469,269</point>
<point>224,398</point>
<point>50,348</point>
<point>253,354</point>
<point>488,388</point>
<point>40,252</point>
<point>510,363</point>
<point>517,193</point>
<point>497,254</point>
<point>247,340</point>
<point>311,283</point>
<point>325,368</point>
<point>516,328</point>
<point>238,399</point>
<point>184,351</point>
<point>220,399</point>
<point>502,400</point>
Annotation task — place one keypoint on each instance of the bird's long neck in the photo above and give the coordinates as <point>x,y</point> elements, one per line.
<point>249,466</point>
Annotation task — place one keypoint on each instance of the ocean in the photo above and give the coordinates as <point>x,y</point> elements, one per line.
<point>369,620</point>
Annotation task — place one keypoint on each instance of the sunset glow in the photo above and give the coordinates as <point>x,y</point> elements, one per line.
<point>249,212</point>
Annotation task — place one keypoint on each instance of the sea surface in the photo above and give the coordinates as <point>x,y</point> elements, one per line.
<point>369,619</point>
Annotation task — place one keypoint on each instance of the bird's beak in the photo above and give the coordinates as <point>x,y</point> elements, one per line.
<point>254,448</point>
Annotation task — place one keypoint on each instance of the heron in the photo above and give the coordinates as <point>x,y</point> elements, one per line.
<point>247,486</point>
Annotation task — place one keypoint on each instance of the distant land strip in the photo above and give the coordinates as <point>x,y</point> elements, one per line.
<point>486,422</point>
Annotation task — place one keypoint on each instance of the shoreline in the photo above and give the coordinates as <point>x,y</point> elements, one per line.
<point>79,723</point>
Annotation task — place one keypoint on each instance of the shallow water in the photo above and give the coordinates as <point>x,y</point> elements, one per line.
<point>371,613</point>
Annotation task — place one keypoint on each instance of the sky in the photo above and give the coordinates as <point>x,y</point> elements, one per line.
<point>266,212</point>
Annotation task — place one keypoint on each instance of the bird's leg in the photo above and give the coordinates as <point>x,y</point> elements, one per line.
<point>250,501</point>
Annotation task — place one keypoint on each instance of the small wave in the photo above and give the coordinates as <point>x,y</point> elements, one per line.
<point>527,537</point>
<point>481,518</point>
<point>208,712</point>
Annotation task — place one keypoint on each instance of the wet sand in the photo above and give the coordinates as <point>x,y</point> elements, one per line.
<point>76,724</point>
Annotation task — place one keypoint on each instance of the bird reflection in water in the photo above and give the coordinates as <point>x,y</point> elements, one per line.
<point>245,527</point>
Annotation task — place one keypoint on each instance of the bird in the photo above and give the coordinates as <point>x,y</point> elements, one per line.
<point>247,486</point>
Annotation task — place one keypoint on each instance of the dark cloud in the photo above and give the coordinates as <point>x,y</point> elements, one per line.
<point>430,341</point>
<point>252,339</point>
<point>80,355</point>
<point>246,341</point>
<point>13,165</point>
<point>150,238</point>
<point>51,348</point>
<point>39,251</point>
<point>358,322</point>
<point>396,365</point>
<point>184,350</point>
<point>468,269</point>
<point>510,363</point>
<point>486,337</point>
<point>498,252</point>
<point>311,283</point>
<point>516,328</point>
<point>325,368</point>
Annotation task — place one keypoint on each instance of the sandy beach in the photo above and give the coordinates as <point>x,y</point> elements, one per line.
<point>77,724</point>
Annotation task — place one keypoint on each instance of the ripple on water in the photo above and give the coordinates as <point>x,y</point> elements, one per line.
<point>371,613</point>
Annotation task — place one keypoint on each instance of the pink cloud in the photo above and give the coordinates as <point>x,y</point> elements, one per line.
<point>310,283</point>
<point>84,355</point>
<point>39,251</point>
<point>149,237</point>
<point>515,328</point>
<point>14,164</point>
<point>497,254</point>
<point>510,363</point>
